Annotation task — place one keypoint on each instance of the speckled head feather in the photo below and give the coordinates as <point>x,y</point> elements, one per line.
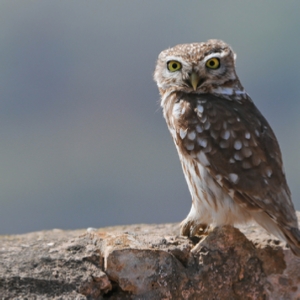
<point>197,51</point>
<point>229,154</point>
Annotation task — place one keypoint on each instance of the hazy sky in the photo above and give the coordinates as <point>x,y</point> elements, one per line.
<point>83,140</point>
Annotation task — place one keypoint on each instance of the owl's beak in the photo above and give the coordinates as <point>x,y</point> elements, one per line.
<point>194,80</point>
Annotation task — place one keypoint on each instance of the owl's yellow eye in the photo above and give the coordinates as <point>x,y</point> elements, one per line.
<point>213,63</point>
<point>173,65</point>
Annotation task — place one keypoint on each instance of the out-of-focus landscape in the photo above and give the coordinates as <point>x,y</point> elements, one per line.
<point>83,141</point>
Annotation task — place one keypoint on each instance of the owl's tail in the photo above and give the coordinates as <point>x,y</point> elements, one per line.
<point>291,235</point>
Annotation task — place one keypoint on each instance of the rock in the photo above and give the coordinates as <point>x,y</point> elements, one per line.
<point>147,262</point>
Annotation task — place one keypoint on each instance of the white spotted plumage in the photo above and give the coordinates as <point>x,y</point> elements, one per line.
<point>229,154</point>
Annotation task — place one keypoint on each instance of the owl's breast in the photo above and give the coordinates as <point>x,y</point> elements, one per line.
<point>230,138</point>
<point>195,123</point>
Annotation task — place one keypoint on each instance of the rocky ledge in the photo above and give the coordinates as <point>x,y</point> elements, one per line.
<point>147,262</point>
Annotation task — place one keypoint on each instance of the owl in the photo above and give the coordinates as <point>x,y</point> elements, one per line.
<point>229,154</point>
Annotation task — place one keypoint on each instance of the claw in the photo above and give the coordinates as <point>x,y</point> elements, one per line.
<point>189,228</point>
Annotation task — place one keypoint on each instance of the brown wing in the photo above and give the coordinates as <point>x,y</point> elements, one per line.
<point>240,149</point>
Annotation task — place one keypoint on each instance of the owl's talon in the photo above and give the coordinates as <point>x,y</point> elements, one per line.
<point>200,229</point>
<point>190,228</point>
<point>185,228</point>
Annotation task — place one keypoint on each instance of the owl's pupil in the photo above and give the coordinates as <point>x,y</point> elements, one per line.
<point>211,63</point>
<point>174,66</point>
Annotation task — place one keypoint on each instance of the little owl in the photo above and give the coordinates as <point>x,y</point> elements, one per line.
<point>229,154</point>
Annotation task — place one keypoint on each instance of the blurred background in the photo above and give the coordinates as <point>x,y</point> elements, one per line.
<point>83,141</point>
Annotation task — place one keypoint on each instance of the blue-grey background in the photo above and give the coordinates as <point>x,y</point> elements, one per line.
<point>82,138</point>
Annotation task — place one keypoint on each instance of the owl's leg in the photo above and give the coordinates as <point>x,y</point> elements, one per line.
<point>196,222</point>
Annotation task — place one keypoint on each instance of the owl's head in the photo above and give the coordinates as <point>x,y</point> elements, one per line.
<point>197,68</point>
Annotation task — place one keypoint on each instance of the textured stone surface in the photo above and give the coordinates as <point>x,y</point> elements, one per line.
<point>147,262</point>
